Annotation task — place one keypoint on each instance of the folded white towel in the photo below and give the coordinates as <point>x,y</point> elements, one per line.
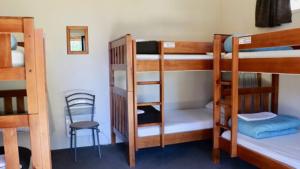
<point>257,116</point>
<point>140,111</point>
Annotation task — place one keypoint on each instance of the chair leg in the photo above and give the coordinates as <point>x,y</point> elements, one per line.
<point>75,146</point>
<point>71,139</point>
<point>98,140</point>
<point>93,134</point>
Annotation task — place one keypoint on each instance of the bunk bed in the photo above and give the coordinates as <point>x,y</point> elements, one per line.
<point>264,153</point>
<point>29,67</point>
<point>154,127</point>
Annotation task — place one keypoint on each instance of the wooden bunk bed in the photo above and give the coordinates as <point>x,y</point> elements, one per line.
<point>125,120</point>
<point>261,96</point>
<point>33,73</point>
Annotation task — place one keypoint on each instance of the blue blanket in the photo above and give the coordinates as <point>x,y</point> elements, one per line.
<point>277,126</point>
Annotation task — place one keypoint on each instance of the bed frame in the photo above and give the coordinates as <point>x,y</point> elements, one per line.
<point>235,65</point>
<point>124,101</point>
<point>34,74</point>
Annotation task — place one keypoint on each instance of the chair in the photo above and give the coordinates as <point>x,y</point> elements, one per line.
<point>83,101</point>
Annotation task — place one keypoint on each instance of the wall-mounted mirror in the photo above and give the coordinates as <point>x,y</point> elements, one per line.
<point>77,40</point>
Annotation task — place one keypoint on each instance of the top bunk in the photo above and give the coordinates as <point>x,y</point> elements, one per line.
<point>145,55</point>
<point>273,52</point>
<point>16,57</point>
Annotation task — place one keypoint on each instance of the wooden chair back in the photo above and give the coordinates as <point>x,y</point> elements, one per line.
<point>8,100</point>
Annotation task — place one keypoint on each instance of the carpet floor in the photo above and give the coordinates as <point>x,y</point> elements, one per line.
<point>196,155</point>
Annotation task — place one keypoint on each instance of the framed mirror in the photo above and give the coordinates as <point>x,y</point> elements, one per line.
<point>77,40</point>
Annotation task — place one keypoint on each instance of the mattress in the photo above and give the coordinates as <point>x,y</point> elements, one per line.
<point>174,57</point>
<point>177,121</point>
<point>284,148</point>
<point>266,54</point>
<point>18,57</point>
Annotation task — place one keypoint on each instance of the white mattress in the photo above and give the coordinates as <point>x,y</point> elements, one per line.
<point>18,57</point>
<point>177,121</point>
<point>285,149</point>
<point>266,54</point>
<point>174,57</point>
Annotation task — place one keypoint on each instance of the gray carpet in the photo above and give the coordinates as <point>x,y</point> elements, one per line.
<point>195,155</point>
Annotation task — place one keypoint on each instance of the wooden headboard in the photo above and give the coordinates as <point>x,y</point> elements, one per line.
<point>8,96</point>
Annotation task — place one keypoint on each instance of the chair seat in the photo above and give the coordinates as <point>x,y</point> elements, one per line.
<point>84,125</point>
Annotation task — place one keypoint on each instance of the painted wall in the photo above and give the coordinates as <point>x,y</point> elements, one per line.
<point>239,17</point>
<point>109,19</point>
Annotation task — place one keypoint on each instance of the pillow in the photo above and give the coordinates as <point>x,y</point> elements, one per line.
<point>139,111</point>
<point>228,46</point>
<point>13,42</point>
<point>257,116</point>
<point>210,106</point>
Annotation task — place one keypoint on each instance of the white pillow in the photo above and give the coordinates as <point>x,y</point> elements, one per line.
<point>140,111</point>
<point>210,106</point>
<point>257,116</point>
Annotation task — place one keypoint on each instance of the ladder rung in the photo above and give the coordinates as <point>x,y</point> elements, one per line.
<point>222,126</point>
<point>149,104</point>
<point>226,83</point>
<point>148,82</point>
<point>223,103</point>
<point>149,124</point>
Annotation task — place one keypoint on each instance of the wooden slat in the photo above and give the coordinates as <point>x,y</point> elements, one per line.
<point>11,24</point>
<point>8,107</point>
<point>10,142</point>
<point>35,141</point>
<point>275,93</point>
<point>279,38</point>
<point>149,104</point>
<point>5,48</point>
<point>153,141</point>
<point>14,121</point>
<point>148,82</point>
<point>245,91</point>
<point>257,102</point>
<point>13,93</point>
<point>266,100</point>
<point>248,103</point>
<point>10,74</point>
<point>174,65</point>
<point>266,65</point>
<point>20,104</point>
<point>182,47</point>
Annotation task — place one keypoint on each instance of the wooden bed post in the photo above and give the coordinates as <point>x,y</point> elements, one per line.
<point>111,84</point>
<point>275,93</point>
<point>36,96</point>
<point>130,99</point>
<point>42,97</point>
<point>217,97</point>
<point>234,95</point>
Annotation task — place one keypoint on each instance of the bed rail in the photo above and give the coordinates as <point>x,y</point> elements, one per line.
<point>121,99</point>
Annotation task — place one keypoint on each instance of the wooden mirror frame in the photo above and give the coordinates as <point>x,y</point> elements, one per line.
<point>86,41</point>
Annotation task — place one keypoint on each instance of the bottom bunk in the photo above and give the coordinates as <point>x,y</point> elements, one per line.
<point>181,126</point>
<point>275,152</point>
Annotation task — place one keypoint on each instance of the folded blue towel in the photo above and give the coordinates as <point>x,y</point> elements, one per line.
<point>277,126</point>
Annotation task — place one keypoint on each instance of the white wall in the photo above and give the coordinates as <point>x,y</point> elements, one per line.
<point>109,19</point>
<point>238,16</point>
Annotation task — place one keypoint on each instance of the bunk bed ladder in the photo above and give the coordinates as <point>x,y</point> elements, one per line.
<point>229,103</point>
<point>159,103</point>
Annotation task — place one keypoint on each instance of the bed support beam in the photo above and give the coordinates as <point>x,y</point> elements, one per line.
<point>275,93</point>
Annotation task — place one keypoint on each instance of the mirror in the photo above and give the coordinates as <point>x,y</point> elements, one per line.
<point>77,40</point>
